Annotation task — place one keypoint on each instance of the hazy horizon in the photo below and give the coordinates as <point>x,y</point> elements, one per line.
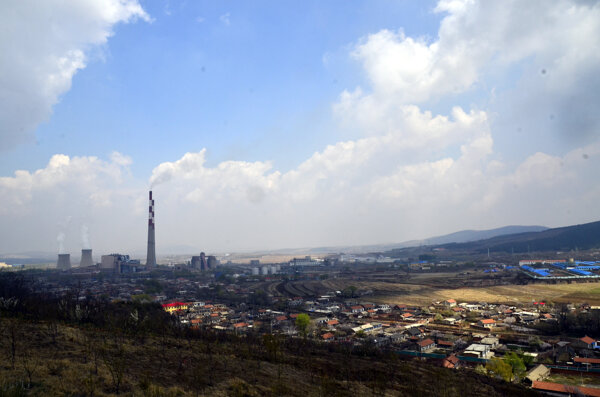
<point>288,125</point>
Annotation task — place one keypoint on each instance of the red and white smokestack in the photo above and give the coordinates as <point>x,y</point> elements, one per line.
<point>151,211</point>
<point>151,253</point>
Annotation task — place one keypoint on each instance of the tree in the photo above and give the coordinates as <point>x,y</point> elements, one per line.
<point>516,363</point>
<point>500,368</point>
<point>302,323</point>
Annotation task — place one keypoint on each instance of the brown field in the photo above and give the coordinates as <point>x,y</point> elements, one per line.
<point>510,294</point>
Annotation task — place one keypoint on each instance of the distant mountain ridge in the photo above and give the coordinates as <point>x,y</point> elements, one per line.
<point>567,238</point>
<point>462,236</point>
<point>465,236</point>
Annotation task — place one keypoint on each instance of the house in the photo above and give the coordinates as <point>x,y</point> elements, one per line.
<point>414,331</point>
<point>587,362</point>
<point>486,323</point>
<point>451,362</point>
<point>562,352</point>
<point>537,373</point>
<point>174,307</point>
<point>449,303</point>
<point>356,309</point>
<point>478,350</point>
<point>397,337</point>
<point>333,322</point>
<point>425,345</point>
<point>328,336</point>
<point>491,341</point>
<point>407,316</point>
<point>556,389</point>
<point>240,326</point>
<point>449,321</point>
<point>444,344</point>
<point>586,342</point>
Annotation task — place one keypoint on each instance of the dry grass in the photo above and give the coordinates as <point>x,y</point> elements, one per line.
<point>422,295</point>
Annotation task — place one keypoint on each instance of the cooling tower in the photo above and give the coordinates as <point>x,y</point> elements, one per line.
<point>151,254</point>
<point>64,261</point>
<point>86,258</point>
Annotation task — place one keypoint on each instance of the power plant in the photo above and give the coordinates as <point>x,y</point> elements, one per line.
<point>118,263</point>
<point>204,262</point>
<point>151,254</point>
<point>86,258</point>
<point>64,262</point>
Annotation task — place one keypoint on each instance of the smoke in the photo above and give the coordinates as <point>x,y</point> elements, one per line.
<point>60,239</point>
<point>85,237</point>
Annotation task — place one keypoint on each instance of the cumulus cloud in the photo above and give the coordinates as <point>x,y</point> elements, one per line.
<point>72,196</point>
<point>412,172</point>
<point>39,62</point>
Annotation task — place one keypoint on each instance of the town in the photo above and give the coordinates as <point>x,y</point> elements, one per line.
<point>549,345</point>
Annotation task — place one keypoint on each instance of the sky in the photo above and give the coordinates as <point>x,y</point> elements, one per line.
<point>271,124</point>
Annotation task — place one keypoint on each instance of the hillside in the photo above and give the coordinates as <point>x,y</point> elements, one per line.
<point>465,236</point>
<point>584,236</point>
<point>57,346</point>
<point>66,360</point>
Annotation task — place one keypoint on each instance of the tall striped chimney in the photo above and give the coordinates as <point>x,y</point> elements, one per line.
<point>151,255</point>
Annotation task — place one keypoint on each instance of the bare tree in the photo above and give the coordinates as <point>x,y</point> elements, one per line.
<point>114,357</point>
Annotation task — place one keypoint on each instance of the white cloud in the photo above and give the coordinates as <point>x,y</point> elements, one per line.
<point>43,45</point>
<point>92,192</point>
<point>411,172</point>
<point>225,19</point>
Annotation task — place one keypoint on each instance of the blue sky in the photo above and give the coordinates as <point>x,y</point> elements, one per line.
<point>245,80</point>
<point>291,124</point>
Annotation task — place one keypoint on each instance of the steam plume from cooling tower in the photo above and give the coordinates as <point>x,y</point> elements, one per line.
<point>60,239</point>
<point>85,237</point>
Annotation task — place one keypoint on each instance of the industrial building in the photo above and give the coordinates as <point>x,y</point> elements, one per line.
<point>306,261</point>
<point>561,270</point>
<point>118,263</point>
<point>204,262</point>
<point>212,262</point>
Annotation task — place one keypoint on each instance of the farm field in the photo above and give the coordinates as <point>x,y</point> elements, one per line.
<point>422,294</point>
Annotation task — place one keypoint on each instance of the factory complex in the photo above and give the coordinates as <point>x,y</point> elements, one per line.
<point>560,269</point>
<point>123,264</point>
